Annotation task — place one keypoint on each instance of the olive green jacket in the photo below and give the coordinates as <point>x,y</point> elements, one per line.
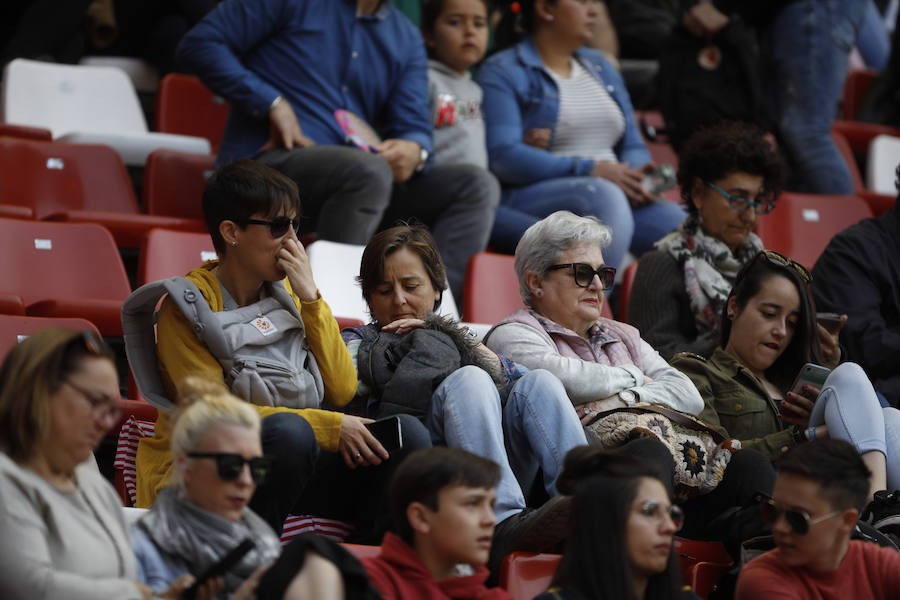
<point>736,402</point>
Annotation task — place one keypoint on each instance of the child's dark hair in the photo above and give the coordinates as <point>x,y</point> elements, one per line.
<point>242,189</point>
<point>517,22</point>
<point>595,563</point>
<point>422,476</point>
<point>805,346</point>
<point>833,464</point>
<point>431,10</point>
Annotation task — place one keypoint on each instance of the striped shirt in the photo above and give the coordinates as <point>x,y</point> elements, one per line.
<point>590,122</point>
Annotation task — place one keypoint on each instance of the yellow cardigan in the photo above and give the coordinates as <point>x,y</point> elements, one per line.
<point>181,354</point>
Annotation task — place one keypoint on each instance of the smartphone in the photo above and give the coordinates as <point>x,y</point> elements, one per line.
<point>660,179</point>
<point>810,374</point>
<point>830,321</point>
<point>220,568</point>
<point>387,431</point>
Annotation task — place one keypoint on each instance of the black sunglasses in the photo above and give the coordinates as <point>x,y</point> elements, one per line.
<point>777,258</point>
<point>584,274</point>
<point>277,226</point>
<point>798,520</point>
<point>231,465</point>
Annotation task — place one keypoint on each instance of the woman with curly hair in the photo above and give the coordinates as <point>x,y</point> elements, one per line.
<point>729,177</point>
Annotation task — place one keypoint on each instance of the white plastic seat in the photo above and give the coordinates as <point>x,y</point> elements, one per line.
<point>143,75</point>
<point>85,105</point>
<point>884,155</point>
<point>335,267</point>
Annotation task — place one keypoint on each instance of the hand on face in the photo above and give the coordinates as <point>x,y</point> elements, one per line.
<point>292,259</point>
<point>357,444</point>
<point>402,155</point>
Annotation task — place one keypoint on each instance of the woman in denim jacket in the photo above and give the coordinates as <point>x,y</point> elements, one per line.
<point>561,132</point>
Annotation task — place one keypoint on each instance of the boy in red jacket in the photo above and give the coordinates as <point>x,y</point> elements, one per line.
<point>442,505</point>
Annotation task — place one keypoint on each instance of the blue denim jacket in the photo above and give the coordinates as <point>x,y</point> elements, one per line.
<point>519,95</point>
<point>319,55</point>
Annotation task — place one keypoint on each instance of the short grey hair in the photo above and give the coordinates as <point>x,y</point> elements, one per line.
<point>543,243</point>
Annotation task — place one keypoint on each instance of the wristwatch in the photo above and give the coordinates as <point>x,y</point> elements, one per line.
<point>628,397</point>
<point>423,160</point>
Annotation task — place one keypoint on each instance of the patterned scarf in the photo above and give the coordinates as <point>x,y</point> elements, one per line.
<point>709,270</point>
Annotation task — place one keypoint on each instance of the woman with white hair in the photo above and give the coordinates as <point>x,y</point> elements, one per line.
<point>194,523</point>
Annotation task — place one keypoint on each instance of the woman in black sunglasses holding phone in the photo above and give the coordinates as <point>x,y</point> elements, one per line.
<point>283,356</point>
<point>768,333</point>
<point>204,515</point>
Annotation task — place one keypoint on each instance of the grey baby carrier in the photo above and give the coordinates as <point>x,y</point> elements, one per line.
<point>262,347</point>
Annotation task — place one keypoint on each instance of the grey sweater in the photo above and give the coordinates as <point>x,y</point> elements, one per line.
<point>62,544</point>
<point>455,102</point>
<point>661,310</point>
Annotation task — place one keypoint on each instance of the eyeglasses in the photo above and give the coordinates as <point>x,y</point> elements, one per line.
<point>777,258</point>
<point>277,226</point>
<point>100,407</point>
<point>762,207</point>
<point>584,274</point>
<point>798,520</point>
<point>658,512</point>
<point>230,466</point>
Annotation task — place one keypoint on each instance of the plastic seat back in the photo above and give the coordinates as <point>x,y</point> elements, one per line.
<point>70,98</point>
<point>856,86</point>
<point>525,575</point>
<point>491,290</point>
<point>884,156</point>
<point>23,131</point>
<point>802,224</point>
<point>172,253</point>
<point>625,290</point>
<point>64,270</point>
<point>174,183</point>
<point>184,105</point>
<point>52,177</point>
<point>15,328</point>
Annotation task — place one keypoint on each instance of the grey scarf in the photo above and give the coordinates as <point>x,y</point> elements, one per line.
<point>199,538</point>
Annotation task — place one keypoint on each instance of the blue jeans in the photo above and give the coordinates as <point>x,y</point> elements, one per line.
<point>810,42</point>
<point>538,426</point>
<point>635,229</point>
<point>847,405</point>
<point>874,43</point>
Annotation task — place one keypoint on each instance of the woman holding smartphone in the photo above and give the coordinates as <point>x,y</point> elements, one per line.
<point>768,334</point>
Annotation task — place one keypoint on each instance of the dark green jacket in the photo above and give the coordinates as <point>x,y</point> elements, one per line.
<point>736,402</point>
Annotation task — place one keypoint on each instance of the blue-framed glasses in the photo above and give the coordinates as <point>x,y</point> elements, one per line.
<point>762,207</point>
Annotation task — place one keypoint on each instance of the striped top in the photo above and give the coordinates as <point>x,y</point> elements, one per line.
<point>590,122</point>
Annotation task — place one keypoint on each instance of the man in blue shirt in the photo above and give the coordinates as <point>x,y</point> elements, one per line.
<point>287,65</point>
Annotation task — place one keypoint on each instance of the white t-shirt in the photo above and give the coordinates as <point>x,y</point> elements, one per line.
<point>590,122</point>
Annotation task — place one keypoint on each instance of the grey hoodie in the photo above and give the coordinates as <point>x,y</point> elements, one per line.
<point>455,102</point>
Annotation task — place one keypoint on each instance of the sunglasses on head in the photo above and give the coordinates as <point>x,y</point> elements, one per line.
<point>278,226</point>
<point>658,512</point>
<point>798,520</point>
<point>584,274</point>
<point>777,258</point>
<point>230,466</point>
<point>739,204</point>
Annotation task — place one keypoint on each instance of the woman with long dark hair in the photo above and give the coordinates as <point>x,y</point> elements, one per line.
<point>622,527</point>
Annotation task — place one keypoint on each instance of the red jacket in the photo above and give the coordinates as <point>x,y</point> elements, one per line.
<point>399,574</point>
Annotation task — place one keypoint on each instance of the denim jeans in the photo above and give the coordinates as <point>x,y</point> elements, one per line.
<point>538,426</point>
<point>809,45</point>
<point>633,228</point>
<point>847,405</point>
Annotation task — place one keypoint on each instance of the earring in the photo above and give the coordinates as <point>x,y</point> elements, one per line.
<point>731,316</point>
<point>539,293</point>
<point>234,243</point>
<point>548,17</point>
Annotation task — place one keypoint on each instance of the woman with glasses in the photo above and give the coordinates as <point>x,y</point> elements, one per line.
<point>621,532</point>
<point>289,360</point>
<point>768,333</point>
<point>205,513</point>
<point>63,535</point>
<point>729,177</point>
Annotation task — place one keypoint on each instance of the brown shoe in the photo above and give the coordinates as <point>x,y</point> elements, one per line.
<point>532,530</point>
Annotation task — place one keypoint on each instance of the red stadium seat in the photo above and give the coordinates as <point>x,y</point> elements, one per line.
<point>705,576</point>
<point>174,183</point>
<point>345,322</point>
<point>64,270</point>
<point>525,575</point>
<point>77,183</point>
<point>856,87</point>
<point>14,328</point>
<point>11,304</point>
<point>625,290</point>
<point>491,289</point>
<point>802,224</point>
<point>24,131</point>
<point>167,253</point>
<point>187,107</point>
<point>860,134</point>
